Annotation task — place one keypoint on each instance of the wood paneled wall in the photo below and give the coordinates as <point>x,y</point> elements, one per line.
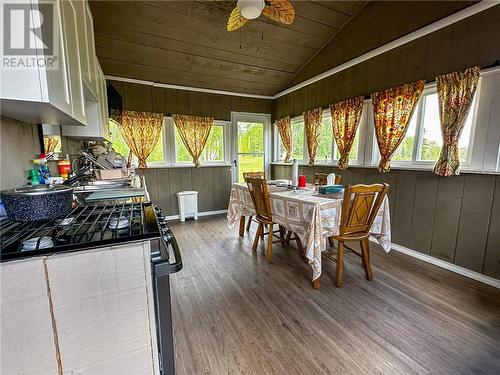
<point>454,219</point>
<point>137,97</point>
<point>213,185</point>
<point>472,41</point>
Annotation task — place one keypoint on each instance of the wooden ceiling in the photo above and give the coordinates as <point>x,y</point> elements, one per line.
<point>186,42</point>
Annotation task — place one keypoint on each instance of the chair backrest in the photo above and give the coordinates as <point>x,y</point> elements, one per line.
<point>260,198</point>
<point>253,175</point>
<point>360,207</point>
<point>320,178</point>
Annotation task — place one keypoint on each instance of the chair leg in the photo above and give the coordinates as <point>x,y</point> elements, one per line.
<point>288,236</point>
<point>300,248</point>
<point>257,238</point>
<point>249,222</point>
<point>365,252</point>
<point>282,236</point>
<point>316,284</point>
<point>269,252</point>
<point>264,227</point>
<point>242,225</point>
<point>332,243</point>
<point>362,258</point>
<point>340,264</point>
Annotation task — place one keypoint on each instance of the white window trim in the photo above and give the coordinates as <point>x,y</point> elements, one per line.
<point>333,160</point>
<point>170,148</point>
<point>264,118</point>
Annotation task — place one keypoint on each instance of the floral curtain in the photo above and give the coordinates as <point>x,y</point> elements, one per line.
<point>455,93</point>
<point>285,131</point>
<point>194,132</point>
<point>345,121</point>
<point>140,130</point>
<point>392,111</point>
<point>312,122</point>
<point>50,144</point>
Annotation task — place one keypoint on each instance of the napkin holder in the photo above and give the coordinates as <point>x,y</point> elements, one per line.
<point>330,189</point>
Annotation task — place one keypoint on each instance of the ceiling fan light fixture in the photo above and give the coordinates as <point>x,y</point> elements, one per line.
<point>250,9</point>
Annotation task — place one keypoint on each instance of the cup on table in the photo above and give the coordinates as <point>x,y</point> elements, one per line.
<point>302,181</point>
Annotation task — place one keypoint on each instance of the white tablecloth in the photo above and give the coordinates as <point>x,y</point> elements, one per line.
<point>311,216</point>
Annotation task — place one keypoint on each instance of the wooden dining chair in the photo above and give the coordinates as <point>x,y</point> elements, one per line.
<point>262,204</point>
<point>252,175</point>
<point>360,206</point>
<point>322,178</point>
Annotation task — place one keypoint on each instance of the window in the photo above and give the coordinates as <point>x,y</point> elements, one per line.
<point>422,142</point>
<point>298,137</point>
<point>353,154</point>
<point>213,151</point>
<point>431,139</point>
<point>325,147</point>
<point>120,146</point>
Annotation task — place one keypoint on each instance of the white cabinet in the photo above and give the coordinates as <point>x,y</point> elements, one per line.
<point>55,96</point>
<point>96,112</point>
<point>87,46</point>
<point>68,10</point>
<point>27,339</point>
<point>93,310</point>
<point>104,310</point>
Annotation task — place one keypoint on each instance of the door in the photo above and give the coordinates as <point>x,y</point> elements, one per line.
<point>251,144</point>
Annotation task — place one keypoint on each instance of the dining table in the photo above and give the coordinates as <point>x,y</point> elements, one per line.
<point>313,217</point>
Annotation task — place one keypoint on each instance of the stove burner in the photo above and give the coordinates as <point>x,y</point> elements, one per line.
<point>66,221</point>
<point>84,227</point>
<point>31,243</point>
<point>121,224</point>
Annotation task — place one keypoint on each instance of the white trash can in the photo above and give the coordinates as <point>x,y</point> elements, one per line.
<point>188,204</point>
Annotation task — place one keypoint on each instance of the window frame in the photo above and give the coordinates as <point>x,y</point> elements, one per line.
<point>171,149</point>
<point>333,160</point>
<point>415,163</point>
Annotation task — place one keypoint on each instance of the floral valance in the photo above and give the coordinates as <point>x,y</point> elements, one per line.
<point>455,94</point>
<point>140,130</point>
<point>285,132</point>
<point>392,111</point>
<point>345,121</point>
<point>312,122</point>
<point>194,132</point>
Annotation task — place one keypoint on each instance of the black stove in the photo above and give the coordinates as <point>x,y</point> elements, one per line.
<point>87,227</point>
<point>84,227</point>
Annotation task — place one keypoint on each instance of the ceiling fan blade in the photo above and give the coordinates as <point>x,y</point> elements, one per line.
<point>236,20</point>
<point>280,11</point>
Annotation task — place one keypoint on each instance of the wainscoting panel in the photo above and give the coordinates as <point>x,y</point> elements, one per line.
<point>213,185</point>
<point>456,219</point>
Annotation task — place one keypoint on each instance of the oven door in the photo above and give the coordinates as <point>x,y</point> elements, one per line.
<point>162,268</point>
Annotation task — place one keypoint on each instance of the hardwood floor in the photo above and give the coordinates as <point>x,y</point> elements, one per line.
<point>236,314</point>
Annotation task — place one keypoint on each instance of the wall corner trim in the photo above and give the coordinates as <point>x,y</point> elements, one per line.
<point>435,26</point>
<point>446,265</point>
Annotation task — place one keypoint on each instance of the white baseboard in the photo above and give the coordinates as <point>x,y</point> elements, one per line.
<point>204,213</point>
<point>446,265</point>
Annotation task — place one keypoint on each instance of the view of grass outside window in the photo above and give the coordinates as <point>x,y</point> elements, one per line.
<point>213,151</point>
<point>297,142</point>
<point>432,140</point>
<point>250,148</point>
<point>429,125</point>
<point>404,151</point>
<point>325,147</point>
<point>120,146</point>
<point>353,154</point>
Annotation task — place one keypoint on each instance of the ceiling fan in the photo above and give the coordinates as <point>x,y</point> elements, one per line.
<point>278,10</point>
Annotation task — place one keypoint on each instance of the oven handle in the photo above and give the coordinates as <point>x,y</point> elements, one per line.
<point>164,267</point>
